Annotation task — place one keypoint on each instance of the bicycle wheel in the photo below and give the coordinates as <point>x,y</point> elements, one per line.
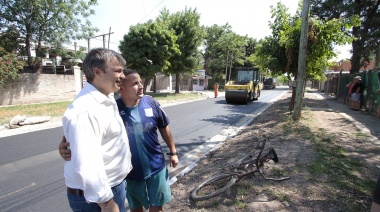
<point>214,186</point>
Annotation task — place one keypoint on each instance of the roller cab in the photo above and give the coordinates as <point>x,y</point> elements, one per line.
<point>245,88</point>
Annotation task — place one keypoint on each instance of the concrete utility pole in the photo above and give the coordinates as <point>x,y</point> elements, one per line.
<point>104,39</point>
<point>302,61</point>
<point>225,78</point>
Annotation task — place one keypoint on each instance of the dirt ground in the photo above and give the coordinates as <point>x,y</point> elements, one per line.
<point>306,190</point>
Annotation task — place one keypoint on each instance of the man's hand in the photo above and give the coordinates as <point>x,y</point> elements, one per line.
<point>63,149</point>
<point>173,161</point>
<point>109,206</point>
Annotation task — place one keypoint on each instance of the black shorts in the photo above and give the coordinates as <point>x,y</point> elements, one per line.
<point>376,192</point>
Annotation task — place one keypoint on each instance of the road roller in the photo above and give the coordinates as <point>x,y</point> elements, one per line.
<point>245,88</point>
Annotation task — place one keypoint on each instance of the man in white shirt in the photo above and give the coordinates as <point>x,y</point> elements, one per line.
<point>101,157</point>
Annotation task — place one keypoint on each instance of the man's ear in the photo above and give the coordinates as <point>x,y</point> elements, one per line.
<point>96,71</point>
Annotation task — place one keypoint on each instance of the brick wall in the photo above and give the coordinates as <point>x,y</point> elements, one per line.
<point>38,88</point>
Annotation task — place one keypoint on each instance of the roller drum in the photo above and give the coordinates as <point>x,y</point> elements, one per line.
<point>237,96</point>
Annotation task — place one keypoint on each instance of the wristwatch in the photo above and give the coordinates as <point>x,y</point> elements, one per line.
<point>171,153</point>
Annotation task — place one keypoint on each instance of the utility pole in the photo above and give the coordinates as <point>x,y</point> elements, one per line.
<point>109,38</point>
<point>104,39</point>
<point>302,61</point>
<point>229,75</point>
<point>225,78</point>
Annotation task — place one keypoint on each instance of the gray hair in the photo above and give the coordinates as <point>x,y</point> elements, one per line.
<point>98,58</point>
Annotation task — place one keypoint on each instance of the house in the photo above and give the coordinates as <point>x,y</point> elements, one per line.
<point>345,65</point>
<point>200,80</point>
<point>195,82</point>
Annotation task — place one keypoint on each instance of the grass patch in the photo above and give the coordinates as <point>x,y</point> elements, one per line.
<point>240,204</point>
<point>55,109</point>
<point>174,97</point>
<point>244,189</point>
<point>331,160</point>
<point>282,197</point>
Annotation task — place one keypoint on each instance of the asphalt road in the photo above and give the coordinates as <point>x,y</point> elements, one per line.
<point>31,170</point>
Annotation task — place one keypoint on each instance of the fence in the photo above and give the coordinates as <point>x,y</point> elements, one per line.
<point>336,86</point>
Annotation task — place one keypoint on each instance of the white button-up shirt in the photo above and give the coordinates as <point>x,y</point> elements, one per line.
<point>100,154</point>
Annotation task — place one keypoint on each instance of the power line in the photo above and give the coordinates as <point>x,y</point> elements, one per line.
<point>98,39</point>
<point>151,10</point>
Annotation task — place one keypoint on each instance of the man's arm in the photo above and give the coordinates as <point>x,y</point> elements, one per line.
<point>168,138</point>
<point>64,150</point>
<point>110,205</point>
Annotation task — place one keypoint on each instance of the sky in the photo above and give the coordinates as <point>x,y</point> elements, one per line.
<point>246,17</point>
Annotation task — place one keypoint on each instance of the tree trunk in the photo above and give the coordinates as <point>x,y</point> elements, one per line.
<point>28,49</point>
<point>356,52</point>
<point>177,83</point>
<point>146,83</point>
<point>377,59</point>
<point>38,49</point>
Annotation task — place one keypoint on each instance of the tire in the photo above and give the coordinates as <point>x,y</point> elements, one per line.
<point>214,186</point>
<point>258,95</point>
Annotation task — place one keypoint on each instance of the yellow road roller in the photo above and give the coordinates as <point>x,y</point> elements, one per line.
<point>246,87</point>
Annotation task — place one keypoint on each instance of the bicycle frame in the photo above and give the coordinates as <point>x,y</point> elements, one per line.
<point>221,182</point>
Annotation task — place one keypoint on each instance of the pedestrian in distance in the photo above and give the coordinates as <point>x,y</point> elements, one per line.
<point>357,89</point>
<point>216,88</point>
<point>349,86</point>
<point>101,157</point>
<point>148,182</point>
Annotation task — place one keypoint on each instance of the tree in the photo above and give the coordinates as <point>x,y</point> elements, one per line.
<point>186,27</point>
<point>9,40</point>
<point>321,38</point>
<point>9,67</point>
<point>279,52</point>
<point>366,35</point>
<point>147,48</point>
<point>250,50</point>
<point>224,50</point>
<point>214,58</point>
<point>233,45</point>
<point>271,52</point>
<point>53,22</point>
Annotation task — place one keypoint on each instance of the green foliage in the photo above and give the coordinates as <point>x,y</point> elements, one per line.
<point>366,34</point>
<point>186,26</point>
<point>147,48</point>
<point>279,52</point>
<point>9,40</point>
<point>168,45</point>
<point>221,42</point>
<point>233,46</point>
<point>250,49</point>
<point>214,58</point>
<point>9,67</point>
<point>283,79</point>
<point>53,22</point>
